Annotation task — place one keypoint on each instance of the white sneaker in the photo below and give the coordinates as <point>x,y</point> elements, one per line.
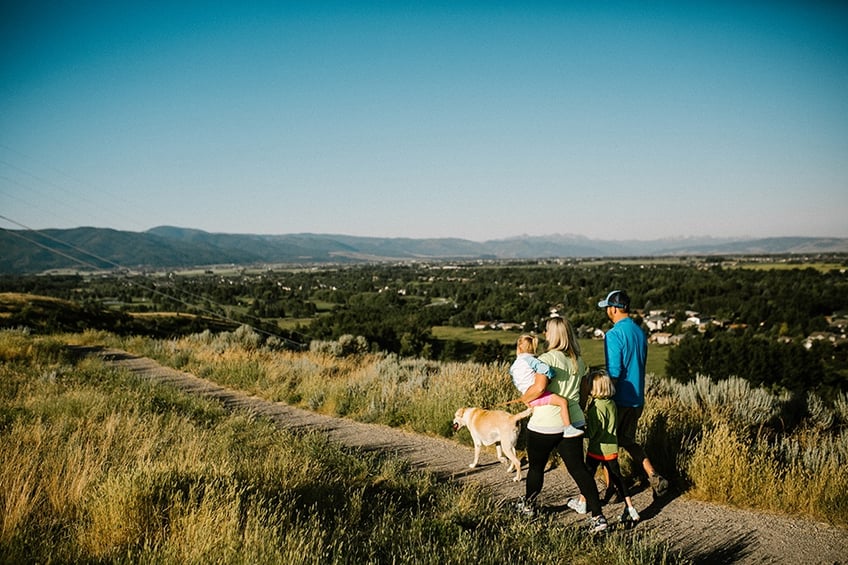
<point>571,431</point>
<point>630,515</point>
<point>576,504</point>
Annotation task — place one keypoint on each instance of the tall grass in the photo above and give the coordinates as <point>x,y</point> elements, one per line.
<point>98,466</point>
<point>776,449</point>
<point>754,448</point>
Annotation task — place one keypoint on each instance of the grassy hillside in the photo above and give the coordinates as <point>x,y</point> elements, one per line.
<point>88,474</point>
<point>794,447</point>
<point>43,314</point>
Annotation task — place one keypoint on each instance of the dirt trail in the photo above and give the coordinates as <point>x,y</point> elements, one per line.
<point>704,533</point>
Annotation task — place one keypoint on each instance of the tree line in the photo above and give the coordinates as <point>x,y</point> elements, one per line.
<point>395,307</point>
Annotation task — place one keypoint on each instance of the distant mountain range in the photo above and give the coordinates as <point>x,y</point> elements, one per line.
<point>165,247</point>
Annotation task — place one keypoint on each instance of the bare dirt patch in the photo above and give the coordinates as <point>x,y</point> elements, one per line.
<point>703,533</point>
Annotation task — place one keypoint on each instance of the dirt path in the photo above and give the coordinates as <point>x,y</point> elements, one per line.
<point>704,533</point>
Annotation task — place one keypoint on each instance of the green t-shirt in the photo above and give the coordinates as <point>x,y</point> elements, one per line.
<point>601,423</point>
<point>566,383</point>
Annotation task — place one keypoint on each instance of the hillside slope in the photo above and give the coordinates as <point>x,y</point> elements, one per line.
<point>703,533</point>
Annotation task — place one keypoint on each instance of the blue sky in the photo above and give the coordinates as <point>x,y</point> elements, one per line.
<point>478,120</point>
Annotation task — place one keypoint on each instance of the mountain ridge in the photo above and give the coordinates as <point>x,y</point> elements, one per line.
<point>162,247</point>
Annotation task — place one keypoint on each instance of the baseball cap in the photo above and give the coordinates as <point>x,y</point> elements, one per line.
<point>616,299</point>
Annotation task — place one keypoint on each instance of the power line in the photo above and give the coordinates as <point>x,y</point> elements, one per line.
<point>75,197</point>
<point>125,269</point>
<point>41,245</point>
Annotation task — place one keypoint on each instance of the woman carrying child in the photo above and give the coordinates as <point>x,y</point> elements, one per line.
<point>544,429</point>
<point>523,372</point>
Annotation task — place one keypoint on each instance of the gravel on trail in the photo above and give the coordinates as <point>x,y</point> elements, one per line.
<point>700,532</point>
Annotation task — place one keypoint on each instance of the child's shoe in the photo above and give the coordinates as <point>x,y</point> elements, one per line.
<point>630,516</point>
<point>571,431</point>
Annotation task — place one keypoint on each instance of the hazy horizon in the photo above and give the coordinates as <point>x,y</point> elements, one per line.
<point>552,236</point>
<point>469,120</point>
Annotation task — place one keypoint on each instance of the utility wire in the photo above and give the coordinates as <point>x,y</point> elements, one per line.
<point>125,269</point>
<point>48,248</point>
<point>75,197</point>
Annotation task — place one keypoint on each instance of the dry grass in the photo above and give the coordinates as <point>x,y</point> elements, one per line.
<point>723,440</point>
<point>98,466</point>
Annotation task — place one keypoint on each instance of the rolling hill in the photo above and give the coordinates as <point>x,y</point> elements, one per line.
<point>86,248</point>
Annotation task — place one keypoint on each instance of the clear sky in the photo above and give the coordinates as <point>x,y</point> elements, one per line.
<point>479,120</point>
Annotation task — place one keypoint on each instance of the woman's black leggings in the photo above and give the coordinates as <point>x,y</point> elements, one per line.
<point>539,448</point>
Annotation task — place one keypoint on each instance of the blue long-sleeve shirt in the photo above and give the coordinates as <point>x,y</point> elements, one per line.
<point>626,350</point>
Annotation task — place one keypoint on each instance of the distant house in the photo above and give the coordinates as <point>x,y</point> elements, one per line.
<point>660,338</point>
<point>820,336</point>
<point>702,321</point>
<point>506,326</point>
<point>657,322</point>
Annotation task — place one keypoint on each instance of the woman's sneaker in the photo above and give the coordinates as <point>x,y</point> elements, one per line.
<point>630,516</point>
<point>525,507</point>
<point>596,524</point>
<point>571,431</point>
<point>576,504</point>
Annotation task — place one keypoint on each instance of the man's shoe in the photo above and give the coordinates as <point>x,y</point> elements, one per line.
<point>659,485</point>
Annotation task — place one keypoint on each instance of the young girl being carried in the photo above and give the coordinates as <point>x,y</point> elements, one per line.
<point>523,370</point>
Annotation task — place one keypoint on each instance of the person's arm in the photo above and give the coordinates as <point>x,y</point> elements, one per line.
<point>612,352</point>
<point>534,391</point>
<point>540,366</point>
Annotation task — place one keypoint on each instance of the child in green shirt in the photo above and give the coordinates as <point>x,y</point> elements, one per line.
<point>603,445</point>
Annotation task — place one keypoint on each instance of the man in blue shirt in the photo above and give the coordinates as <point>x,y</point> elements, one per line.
<point>626,349</point>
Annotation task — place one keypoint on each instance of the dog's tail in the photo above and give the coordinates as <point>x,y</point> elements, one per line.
<point>521,415</point>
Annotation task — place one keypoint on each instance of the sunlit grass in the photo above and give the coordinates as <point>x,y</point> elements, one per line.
<point>678,427</point>
<point>98,466</point>
<point>471,335</point>
<point>90,451</point>
<point>787,266</point>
